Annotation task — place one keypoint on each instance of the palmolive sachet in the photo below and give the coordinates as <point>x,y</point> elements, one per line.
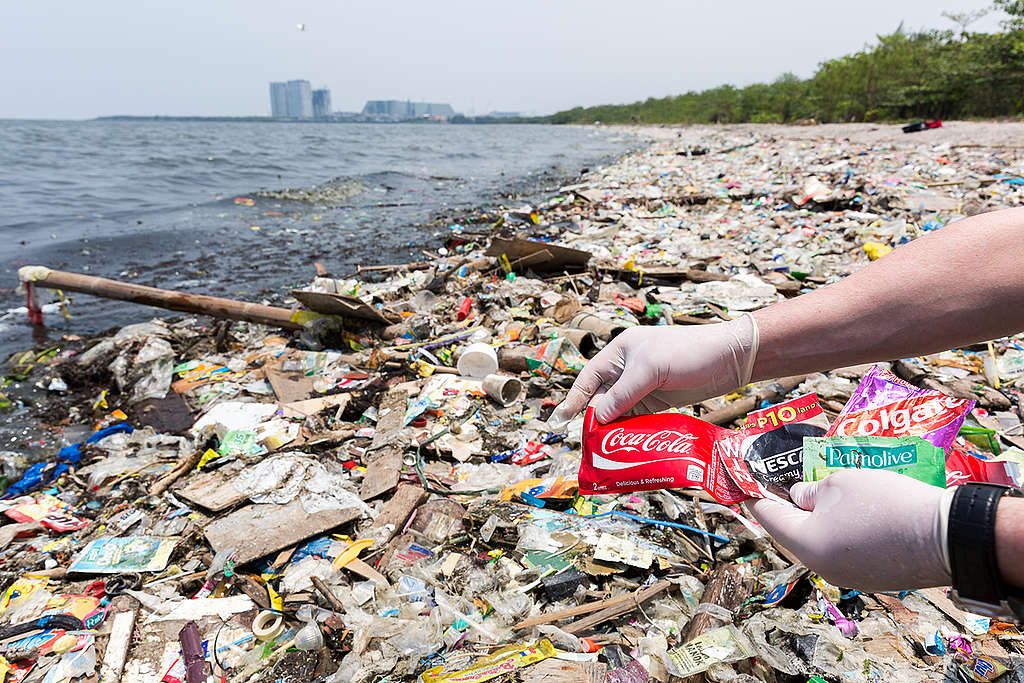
<point>646,452</point>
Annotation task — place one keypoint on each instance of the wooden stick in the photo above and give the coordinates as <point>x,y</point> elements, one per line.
<point>38,276</point>
<point>585,608</point>
<point>328,594</point>
<point>724,589</point>
<point>631,602</point>
<point>161,484</point>
<point>772,392</point>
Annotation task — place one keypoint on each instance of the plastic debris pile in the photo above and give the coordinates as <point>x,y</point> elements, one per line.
<point>378,497</point>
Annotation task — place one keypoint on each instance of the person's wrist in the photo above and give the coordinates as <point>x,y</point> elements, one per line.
<point>942,528</point>
<point>1010,541</point>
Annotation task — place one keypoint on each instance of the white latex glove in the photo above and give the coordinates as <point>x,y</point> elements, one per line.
<point>649,369</point>
<point>872,530</point>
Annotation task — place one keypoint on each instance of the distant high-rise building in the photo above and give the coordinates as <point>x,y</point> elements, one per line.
<point>300,100</point>
<point>398,109</point>
<point>321,103</point>
<point>278,99</point>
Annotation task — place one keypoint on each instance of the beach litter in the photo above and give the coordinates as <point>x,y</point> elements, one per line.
<point>369,491</point>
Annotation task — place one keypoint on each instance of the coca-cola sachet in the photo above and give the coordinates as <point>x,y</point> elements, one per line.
<point>646,452</point>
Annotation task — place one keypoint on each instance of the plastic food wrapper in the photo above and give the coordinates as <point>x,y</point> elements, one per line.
<point>127,554</point>
<point>962,467</point>
<point>885,405</point>
<point>646,452</point>
<point>549,487</point>
<point>49,511</point>
<point>978,667</point>
<point>499,662</point>
<point>718,646</point>
<point>909,455</point>
<point>557,355</point>
<point>634,672</point>
<point>765,458</point>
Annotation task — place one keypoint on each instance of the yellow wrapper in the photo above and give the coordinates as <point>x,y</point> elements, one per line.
<point>500,662</point>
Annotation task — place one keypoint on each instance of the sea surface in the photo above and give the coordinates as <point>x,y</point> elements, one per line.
<point>204,207</point>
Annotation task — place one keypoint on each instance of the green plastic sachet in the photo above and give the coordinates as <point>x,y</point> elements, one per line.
<point>909,455</point>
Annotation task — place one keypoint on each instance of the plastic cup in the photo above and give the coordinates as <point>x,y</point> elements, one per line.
<point>503,388</point>
<point>309,637</point>
<point>478,360</point>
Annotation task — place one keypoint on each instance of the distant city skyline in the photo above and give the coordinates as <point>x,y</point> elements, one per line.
<point>216,59</point>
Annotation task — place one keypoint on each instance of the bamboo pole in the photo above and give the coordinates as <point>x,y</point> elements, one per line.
<point>38,276</point>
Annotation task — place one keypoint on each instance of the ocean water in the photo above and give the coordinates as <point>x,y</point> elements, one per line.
<point>244,209</point>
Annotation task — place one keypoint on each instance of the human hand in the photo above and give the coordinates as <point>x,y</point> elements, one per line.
<point>872,530</point>
<point>649,369</point>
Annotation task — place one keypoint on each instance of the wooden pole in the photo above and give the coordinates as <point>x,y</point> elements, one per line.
<point>37,276</point>
<point>736,409</point>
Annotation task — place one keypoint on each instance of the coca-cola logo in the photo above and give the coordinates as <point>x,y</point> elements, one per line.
<point>665,441</point>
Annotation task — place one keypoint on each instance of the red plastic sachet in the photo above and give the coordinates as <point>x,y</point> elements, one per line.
<point>884,405</point>
<point>646,452</point>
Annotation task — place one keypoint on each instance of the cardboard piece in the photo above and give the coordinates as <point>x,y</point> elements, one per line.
<point>213,491</point>
<point>524,254</point>
<point>313,406</point>
<point>289,387</point>
<point>167,415</point>
<point>258,530</point>
<point>340,304</point>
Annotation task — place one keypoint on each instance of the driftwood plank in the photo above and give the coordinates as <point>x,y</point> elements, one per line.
<point>257,530</point>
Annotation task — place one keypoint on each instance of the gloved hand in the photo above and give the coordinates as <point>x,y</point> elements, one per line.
<point>649,369</point>
<point>872,530</point>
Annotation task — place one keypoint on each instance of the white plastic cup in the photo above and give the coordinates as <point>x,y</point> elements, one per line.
<point>503,388</point>
<point>478,360</point>
<point>309,637</point>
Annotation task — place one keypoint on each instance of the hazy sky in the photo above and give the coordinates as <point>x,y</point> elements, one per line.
<point>215,57</point>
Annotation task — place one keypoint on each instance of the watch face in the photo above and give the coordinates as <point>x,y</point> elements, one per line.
<point>776,458</point>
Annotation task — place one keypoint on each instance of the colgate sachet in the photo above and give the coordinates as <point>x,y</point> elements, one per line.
<point>646,452</point>
<point>885,405</point>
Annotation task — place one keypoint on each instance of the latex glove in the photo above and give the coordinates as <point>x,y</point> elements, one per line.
<point>651,368</point>
<point>872,530</point>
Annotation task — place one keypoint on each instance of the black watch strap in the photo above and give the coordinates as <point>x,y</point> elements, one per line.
<point>971,536</point>
<point>972,542</point>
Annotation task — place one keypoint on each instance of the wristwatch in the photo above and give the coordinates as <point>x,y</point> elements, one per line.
<point>977,585</point>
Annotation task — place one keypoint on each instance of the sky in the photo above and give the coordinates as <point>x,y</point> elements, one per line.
<point>73,60</point>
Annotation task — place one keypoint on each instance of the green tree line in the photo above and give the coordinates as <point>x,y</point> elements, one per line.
<point>904,75</point>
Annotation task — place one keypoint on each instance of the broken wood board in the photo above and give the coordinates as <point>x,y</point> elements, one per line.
<point>313,406</point>
<point>382,474</point>
<point>257,530</point>
<point>213,491</point>
<point>536,255</point>
<point>398,508</point>
<point>289,386</point>
<point>558,671</point>
<point>364,570</point>
<point>385,456</point>
<point>116,652</point>
<point>341,305</point>
<point>390,415</point>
